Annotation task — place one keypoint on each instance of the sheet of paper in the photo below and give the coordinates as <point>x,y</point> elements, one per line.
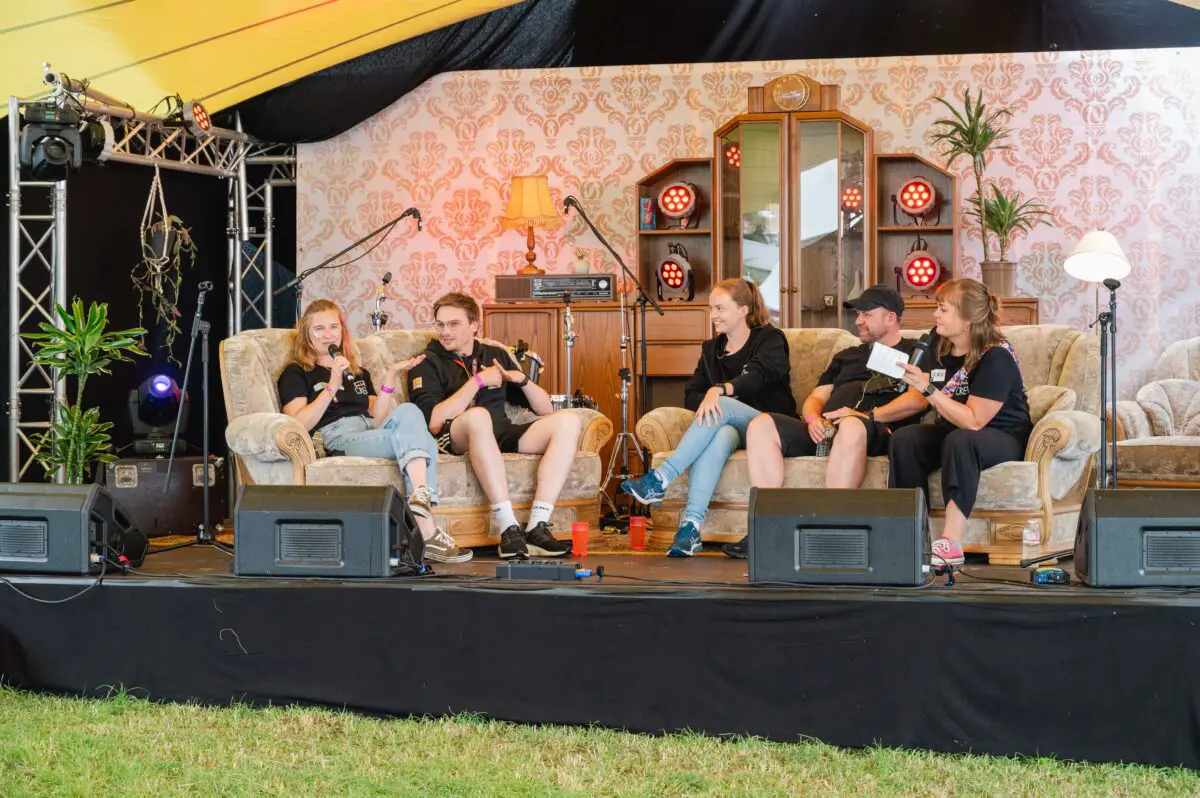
<point>883,359</point>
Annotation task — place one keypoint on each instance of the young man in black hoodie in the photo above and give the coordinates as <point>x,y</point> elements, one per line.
<point>462,387</point>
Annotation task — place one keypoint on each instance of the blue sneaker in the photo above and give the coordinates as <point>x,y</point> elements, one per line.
<point>686,542</point>
<point>647,489</point>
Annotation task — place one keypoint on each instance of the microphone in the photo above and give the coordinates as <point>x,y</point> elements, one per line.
<point>568,201</point>
<point>336,351</point>
<point>412,212</point>
<point>921,349</point>
<point>387,277</point>
<point>1111,284</point>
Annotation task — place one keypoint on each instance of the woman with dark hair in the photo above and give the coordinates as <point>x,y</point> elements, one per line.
<point>333,394</point>
<point>974,383</point>
<point>742,372</point>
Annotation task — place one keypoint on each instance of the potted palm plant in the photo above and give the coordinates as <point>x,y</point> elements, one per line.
<point>77,438</point>
<point>1003,215</point>
<point>973,131</point>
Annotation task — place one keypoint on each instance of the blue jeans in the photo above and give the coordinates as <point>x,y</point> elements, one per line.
<point>403,435</point>
<point>704,449</point>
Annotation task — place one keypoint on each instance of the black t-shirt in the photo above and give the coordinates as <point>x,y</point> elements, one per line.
<point>442,373</point>
<point>731,366</point>
<point>997,377</point>
<point>354,398</point>
<point>857,387</point>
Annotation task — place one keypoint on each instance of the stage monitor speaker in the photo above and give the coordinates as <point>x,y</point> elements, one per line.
<point>342,531</point>
<point>838,537</point>
<point>63,529</point>
<point>1139,538</point>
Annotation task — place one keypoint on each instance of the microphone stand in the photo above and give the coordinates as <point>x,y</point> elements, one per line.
<point>569,337</point>
<point>200,327</point>
<point>1108,388</point>
<point>298,282</point>
<point>379,317</point>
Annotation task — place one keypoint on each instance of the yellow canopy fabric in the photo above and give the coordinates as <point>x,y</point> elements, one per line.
<point>218,51</point>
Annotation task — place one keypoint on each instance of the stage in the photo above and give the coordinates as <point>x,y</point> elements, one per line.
<point>988,665</point>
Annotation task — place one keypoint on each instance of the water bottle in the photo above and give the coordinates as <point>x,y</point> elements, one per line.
<point>823,446</point>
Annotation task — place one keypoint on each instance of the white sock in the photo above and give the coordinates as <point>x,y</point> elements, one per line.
<point>540,511</point>
<point>503,516</point>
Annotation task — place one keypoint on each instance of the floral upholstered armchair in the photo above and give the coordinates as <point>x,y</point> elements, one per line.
<point>1024,508</point>
<point>271,448</point>
<point>1159,431</point>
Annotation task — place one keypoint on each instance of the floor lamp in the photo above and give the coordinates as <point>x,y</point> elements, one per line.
<point>1098,258</point>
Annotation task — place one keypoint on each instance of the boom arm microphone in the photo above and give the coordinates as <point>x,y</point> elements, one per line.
<point>412,212</point>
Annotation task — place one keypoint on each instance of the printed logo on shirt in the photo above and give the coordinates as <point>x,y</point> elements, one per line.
<point>360,387</point>
<point>417,381</point>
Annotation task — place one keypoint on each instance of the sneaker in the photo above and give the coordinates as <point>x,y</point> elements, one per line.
<point>686,542</point>
<point>947,552</point>
<point>441,548</point>
<point>542,543</point>
<point>420,502</point>
<point>512,544</point>
<point>648,489</point>
<point>739,550</point>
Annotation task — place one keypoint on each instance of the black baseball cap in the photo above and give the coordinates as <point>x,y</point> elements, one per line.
<point>877,296</point>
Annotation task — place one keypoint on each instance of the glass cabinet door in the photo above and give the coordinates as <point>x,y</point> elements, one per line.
<point>852,202</point>
<point>751,181</point>
<point>818,227</point>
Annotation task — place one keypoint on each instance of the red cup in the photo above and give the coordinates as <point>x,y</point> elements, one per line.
<point>637,532</point>
<point>579,538</point>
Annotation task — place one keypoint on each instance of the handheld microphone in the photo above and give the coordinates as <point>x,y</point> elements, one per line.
<point>336,351</point>
<point>921,349</point>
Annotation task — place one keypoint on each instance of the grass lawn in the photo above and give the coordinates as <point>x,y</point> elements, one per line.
<point>127,746</point>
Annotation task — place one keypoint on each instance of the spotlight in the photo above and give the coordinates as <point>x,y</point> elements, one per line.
<point>678,201</point>
<point>50,145</point>
<point>916,199</point>
<point>852,199</point>
<point>675,274</point>
<point>153,406</point>
<point>920,269</point>
<point>733,154</point>
<point>196,118</point>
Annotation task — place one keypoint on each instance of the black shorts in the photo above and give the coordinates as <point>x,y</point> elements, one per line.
<point>796,442</point>
<point>508,435</point>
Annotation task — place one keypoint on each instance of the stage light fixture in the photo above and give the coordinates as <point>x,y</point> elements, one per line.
<point>920,270</point>
<point>153,406</point>
<point>674,274</point>
<point>50,144</point>
<point>196,118</point>
<point>678,200</point>
<point>917,198</point>
<point>852,199</point>
<point>733,155</point>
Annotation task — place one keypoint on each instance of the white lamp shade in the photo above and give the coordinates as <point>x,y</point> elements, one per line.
<point>1098,257</point>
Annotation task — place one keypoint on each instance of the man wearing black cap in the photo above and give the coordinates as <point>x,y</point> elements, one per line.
<point>859,407</point>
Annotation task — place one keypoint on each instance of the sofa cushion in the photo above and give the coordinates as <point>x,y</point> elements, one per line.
<point>457,485</point>
<point>1173,406</point>
<point>809,353</point>
<point>1008,486</point>
<point>1174,458</point>
<point>1047,398</point>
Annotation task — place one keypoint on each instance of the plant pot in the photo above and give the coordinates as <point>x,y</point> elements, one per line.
<point>1000,277</point>
<point>161,243</point>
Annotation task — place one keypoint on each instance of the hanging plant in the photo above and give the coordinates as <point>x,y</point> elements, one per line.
<point>167,248</point>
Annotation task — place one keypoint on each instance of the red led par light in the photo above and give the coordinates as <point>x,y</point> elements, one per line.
<point>678,200</point>
<point>674,275</point>
<point>917,198</point>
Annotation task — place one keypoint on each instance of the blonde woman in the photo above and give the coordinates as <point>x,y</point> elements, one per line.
<point>974,383</point>
<point>326,389</point>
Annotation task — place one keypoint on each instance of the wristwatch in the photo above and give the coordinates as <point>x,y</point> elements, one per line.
<point>721,386</point>
<point>929,389</point>
<point>523,382</point>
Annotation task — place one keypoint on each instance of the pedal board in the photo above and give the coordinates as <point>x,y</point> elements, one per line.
<point>541,571</point>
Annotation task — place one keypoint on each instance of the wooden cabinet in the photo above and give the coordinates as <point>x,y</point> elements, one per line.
<point>918,313</point>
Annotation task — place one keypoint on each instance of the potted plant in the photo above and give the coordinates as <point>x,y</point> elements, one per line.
<point>973,131</point>
<point>1002,216</point>
<point>76,437</point>
<point>167,247</point>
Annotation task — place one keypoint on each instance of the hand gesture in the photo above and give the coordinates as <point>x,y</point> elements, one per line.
<point>492,376</point>
<point>340,366</point>
<point>404,366</point>
<point>709,411</point>
<point>836,416</point>
<point>913,377</point>
<point>509,375</point>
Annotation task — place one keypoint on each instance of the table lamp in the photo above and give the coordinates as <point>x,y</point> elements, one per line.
<point>530,206</point>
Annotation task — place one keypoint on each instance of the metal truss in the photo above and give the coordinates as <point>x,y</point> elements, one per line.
<point>174,148</point>
<point>251,233</point>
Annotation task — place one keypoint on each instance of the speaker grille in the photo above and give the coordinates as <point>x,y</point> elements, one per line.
<point>833,548</point>
<point>310,544</point>
<point>1171,551</point>
<point>23,539</point>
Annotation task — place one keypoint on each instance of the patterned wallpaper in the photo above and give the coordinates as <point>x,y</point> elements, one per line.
<point>1106,139</point>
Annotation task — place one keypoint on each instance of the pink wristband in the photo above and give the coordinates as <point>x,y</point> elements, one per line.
<point>386,388</point>
<point>479,381</point>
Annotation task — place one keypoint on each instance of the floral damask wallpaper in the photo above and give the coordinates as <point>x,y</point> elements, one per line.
<point>1106,139</point>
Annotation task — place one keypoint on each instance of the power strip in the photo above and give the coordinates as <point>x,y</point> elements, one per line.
<point>542,571</point>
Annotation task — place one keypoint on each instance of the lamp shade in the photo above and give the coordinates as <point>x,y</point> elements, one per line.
<point>529,205</point>
<point>1098,257</point>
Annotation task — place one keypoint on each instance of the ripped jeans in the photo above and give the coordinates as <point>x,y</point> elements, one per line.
<point>404,435</point>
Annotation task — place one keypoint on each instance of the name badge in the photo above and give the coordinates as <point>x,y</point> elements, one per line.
<point>937,375</point>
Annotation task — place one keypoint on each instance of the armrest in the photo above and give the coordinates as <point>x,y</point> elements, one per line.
<point>662,428</point>
<point>1132,421</point>
<point>1063,444</point>
<point>271,438</point>
<point>597,428</point>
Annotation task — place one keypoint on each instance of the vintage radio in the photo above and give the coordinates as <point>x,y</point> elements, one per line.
<point>551,287</point>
